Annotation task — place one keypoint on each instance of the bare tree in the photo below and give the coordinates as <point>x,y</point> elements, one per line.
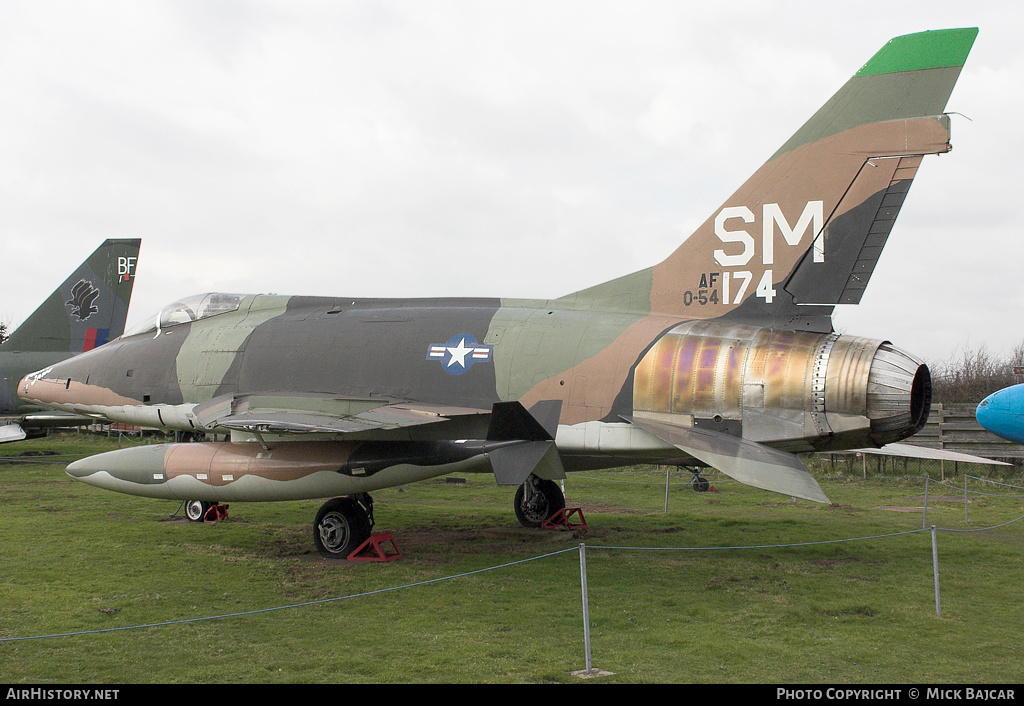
<point>973,374</point>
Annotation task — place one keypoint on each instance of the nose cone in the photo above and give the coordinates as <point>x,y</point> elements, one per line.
<point>1002,413</point>
<point>60,386</point>
<point>41,387</point>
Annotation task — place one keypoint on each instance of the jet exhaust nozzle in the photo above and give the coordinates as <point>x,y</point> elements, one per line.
<point>899,395</point>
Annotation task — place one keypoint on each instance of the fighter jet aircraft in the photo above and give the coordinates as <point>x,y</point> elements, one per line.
<point>722,355</point>
<point>86,311</point>
<point>1002,413</point>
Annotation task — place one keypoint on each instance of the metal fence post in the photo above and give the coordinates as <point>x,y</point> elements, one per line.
<point>965,498</point>
<point>666,488</point>
<point>935,571</point>
<point>586,605</point>
<point>924,520</point>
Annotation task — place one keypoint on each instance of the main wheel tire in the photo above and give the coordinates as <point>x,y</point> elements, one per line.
<point>701,484</point>
<point>546,501</point>
<point>340,527</point>
<point>195,510</point>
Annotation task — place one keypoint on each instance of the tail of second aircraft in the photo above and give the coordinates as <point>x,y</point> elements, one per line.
<point>88,309</point>
<point>805,231</point>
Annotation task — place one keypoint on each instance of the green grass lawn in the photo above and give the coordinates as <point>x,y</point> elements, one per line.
<point>82,568</point>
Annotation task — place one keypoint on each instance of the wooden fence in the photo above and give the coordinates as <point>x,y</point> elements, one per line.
<point>953,427</point>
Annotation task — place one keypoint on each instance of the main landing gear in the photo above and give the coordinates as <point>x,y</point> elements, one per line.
<point>538,499</point>
<point>342,525</point>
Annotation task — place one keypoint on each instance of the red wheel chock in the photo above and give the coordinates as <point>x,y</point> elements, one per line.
<point>216,513</point>
<point>561,519</point>
<point>373,549</point>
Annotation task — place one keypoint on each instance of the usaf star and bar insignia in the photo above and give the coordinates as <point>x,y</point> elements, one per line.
<point>459,353</point>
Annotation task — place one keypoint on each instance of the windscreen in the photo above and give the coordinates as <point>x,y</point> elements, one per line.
<point>194,308</point>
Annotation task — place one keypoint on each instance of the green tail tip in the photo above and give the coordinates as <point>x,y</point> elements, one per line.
<point>924,50</point>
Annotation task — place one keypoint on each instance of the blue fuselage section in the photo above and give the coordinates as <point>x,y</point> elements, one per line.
<point>1002,413</point>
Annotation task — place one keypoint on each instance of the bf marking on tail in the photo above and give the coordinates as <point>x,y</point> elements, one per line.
<point>126,267</point>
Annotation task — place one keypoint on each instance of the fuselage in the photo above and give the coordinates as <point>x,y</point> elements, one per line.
<point>798,391</point>
<point>1002,413</point>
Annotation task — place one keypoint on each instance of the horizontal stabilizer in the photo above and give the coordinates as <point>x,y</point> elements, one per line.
<point>746,461</point>
<point>923,452</point>
<point>11,432</point>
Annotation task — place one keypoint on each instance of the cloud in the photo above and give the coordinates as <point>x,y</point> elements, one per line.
<point>463,148</point>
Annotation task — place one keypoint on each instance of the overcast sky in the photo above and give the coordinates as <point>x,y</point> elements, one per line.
<point>519,148</point>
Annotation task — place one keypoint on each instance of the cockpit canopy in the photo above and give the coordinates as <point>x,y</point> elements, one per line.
<point>194,308</point>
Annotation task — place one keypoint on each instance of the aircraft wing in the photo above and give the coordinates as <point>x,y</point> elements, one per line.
<point>309,413</point>
<point>746,461</point>
<point>911,451</point>
<point>16,428</point>
<point>11,432</point>
<point>523,439</point>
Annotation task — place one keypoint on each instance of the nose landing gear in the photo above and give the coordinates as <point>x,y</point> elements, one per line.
<point>699,483</point>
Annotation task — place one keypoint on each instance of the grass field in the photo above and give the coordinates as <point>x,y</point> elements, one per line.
<point>82,569</point>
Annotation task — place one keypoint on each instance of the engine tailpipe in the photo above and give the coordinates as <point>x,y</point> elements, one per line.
<point>899,395</point>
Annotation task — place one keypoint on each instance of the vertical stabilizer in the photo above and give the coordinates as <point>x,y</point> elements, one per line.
<point>805,231</point>
<point>88,309</point>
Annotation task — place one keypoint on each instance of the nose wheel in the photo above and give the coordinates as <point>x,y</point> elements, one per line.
<point>699,483</point>
<point>195,510</point>
<point>202,511</point>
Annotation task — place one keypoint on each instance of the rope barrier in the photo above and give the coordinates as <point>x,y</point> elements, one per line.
<point>581,550</point>
<point>290,606</point>
<point>452,577</point>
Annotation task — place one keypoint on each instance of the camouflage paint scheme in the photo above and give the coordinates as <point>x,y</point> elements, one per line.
<point>722,355</point>
<point>86,311</point>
